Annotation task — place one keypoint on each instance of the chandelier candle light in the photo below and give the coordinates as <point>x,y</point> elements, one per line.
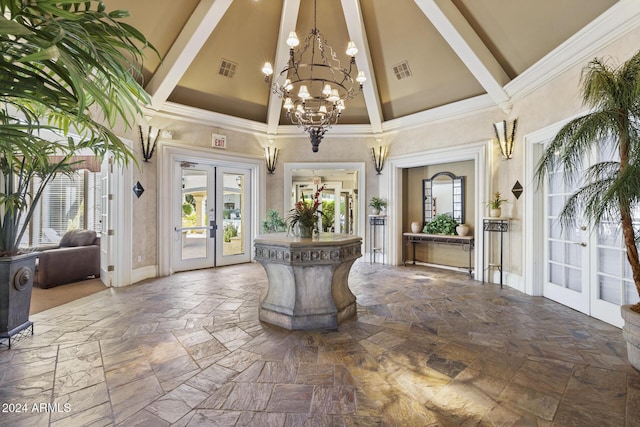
<point>314,85</point>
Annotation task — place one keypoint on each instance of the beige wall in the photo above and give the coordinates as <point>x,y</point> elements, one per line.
<point>557,100</point>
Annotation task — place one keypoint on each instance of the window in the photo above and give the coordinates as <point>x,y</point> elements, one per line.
<point>68,202</point>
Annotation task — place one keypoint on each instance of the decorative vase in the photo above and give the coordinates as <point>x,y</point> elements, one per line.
<point>305,231</point>
<point>631,334</point>
<point>415,227</point>
<point>375,211</point>
<point>495,212</point>
<point>16,284</point>
<point>462,230</point>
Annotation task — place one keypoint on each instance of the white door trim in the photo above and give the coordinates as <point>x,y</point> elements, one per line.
<point>391,183</point>
<point>170,152</point>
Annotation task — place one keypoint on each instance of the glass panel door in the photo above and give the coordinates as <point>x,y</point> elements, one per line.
<point>234,235</point>
<point>194,209</point>
<point>613,285</point>
<point>106,220</point>
<point>566,251</point>
<point>587,270</point>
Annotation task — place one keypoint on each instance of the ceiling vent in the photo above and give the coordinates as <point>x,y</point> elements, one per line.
<point>227,68</point>
<point>402,70</point>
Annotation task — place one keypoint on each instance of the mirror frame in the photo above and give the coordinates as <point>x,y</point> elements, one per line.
<point>457,188</point>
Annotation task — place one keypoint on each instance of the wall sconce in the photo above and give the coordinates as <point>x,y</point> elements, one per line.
<point>271,156</point>
<point>379,156</point>
<point>504,139</point>
<point>148,144</point>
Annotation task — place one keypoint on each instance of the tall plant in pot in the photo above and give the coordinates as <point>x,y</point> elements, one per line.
<point>609,190</point>
<point>66,68</point>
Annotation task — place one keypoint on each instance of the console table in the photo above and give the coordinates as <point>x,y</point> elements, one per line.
<point>308,279</point>
<point>466,242</point>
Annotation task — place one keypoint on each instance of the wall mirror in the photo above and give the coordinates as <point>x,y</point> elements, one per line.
<point>443,193</point>
<point>344,182</point>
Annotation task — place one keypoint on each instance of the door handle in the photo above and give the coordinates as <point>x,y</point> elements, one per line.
<point>583,244</point>
<point>179,229</point>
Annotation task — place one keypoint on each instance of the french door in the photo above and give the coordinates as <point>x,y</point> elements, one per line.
<point>585,267</point>
<point>211,211</point>
<point>106,221</point>
<point>567,250</point>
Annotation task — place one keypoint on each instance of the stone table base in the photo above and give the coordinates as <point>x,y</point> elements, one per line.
<point>308,279</point>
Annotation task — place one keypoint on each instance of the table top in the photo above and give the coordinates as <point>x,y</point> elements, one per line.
<point>426,236</point>
<point>323,239</point>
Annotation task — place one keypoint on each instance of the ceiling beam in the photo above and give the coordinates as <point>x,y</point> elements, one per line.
<point>457,32</point>
<point>290,9</point>
<point>195,33</point>
<point>357,33</point>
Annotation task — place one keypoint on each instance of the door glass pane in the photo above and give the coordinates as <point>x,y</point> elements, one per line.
<point>555,274</point>
<point>233,214</point>
<point>556,203</point>
<point>574,254</point>
<point>556,251</point>
<point>609,261</point>
<point>574,279</point>
<point>631,294</point>
<point>194,233</point>
<point>609,289</point>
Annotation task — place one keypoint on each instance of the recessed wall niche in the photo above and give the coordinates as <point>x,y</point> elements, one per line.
<point>412,207</point>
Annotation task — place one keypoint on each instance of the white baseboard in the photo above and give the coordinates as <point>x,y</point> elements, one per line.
<point>511,280</point>
<point>143,273</point>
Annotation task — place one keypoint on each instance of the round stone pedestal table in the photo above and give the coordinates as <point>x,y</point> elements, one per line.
<point>308,279</point>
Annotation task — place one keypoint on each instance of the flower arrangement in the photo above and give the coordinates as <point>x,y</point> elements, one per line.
<point>497,201</point>
<point>305,214</point>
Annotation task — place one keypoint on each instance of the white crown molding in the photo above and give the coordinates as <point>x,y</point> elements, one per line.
<point>614,23</point>
<point>457,109</point>
<point>185,113</point>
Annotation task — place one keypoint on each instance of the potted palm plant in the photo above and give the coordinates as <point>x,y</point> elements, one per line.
<point>63,64</point>
<point>611,189</point>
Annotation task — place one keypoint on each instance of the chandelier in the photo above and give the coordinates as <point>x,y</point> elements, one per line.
<point>314,85</point>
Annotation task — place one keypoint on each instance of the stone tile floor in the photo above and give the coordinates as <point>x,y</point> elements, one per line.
<point>429,347</point>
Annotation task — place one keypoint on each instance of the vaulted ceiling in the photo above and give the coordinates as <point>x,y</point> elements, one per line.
<point>450,50</point>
